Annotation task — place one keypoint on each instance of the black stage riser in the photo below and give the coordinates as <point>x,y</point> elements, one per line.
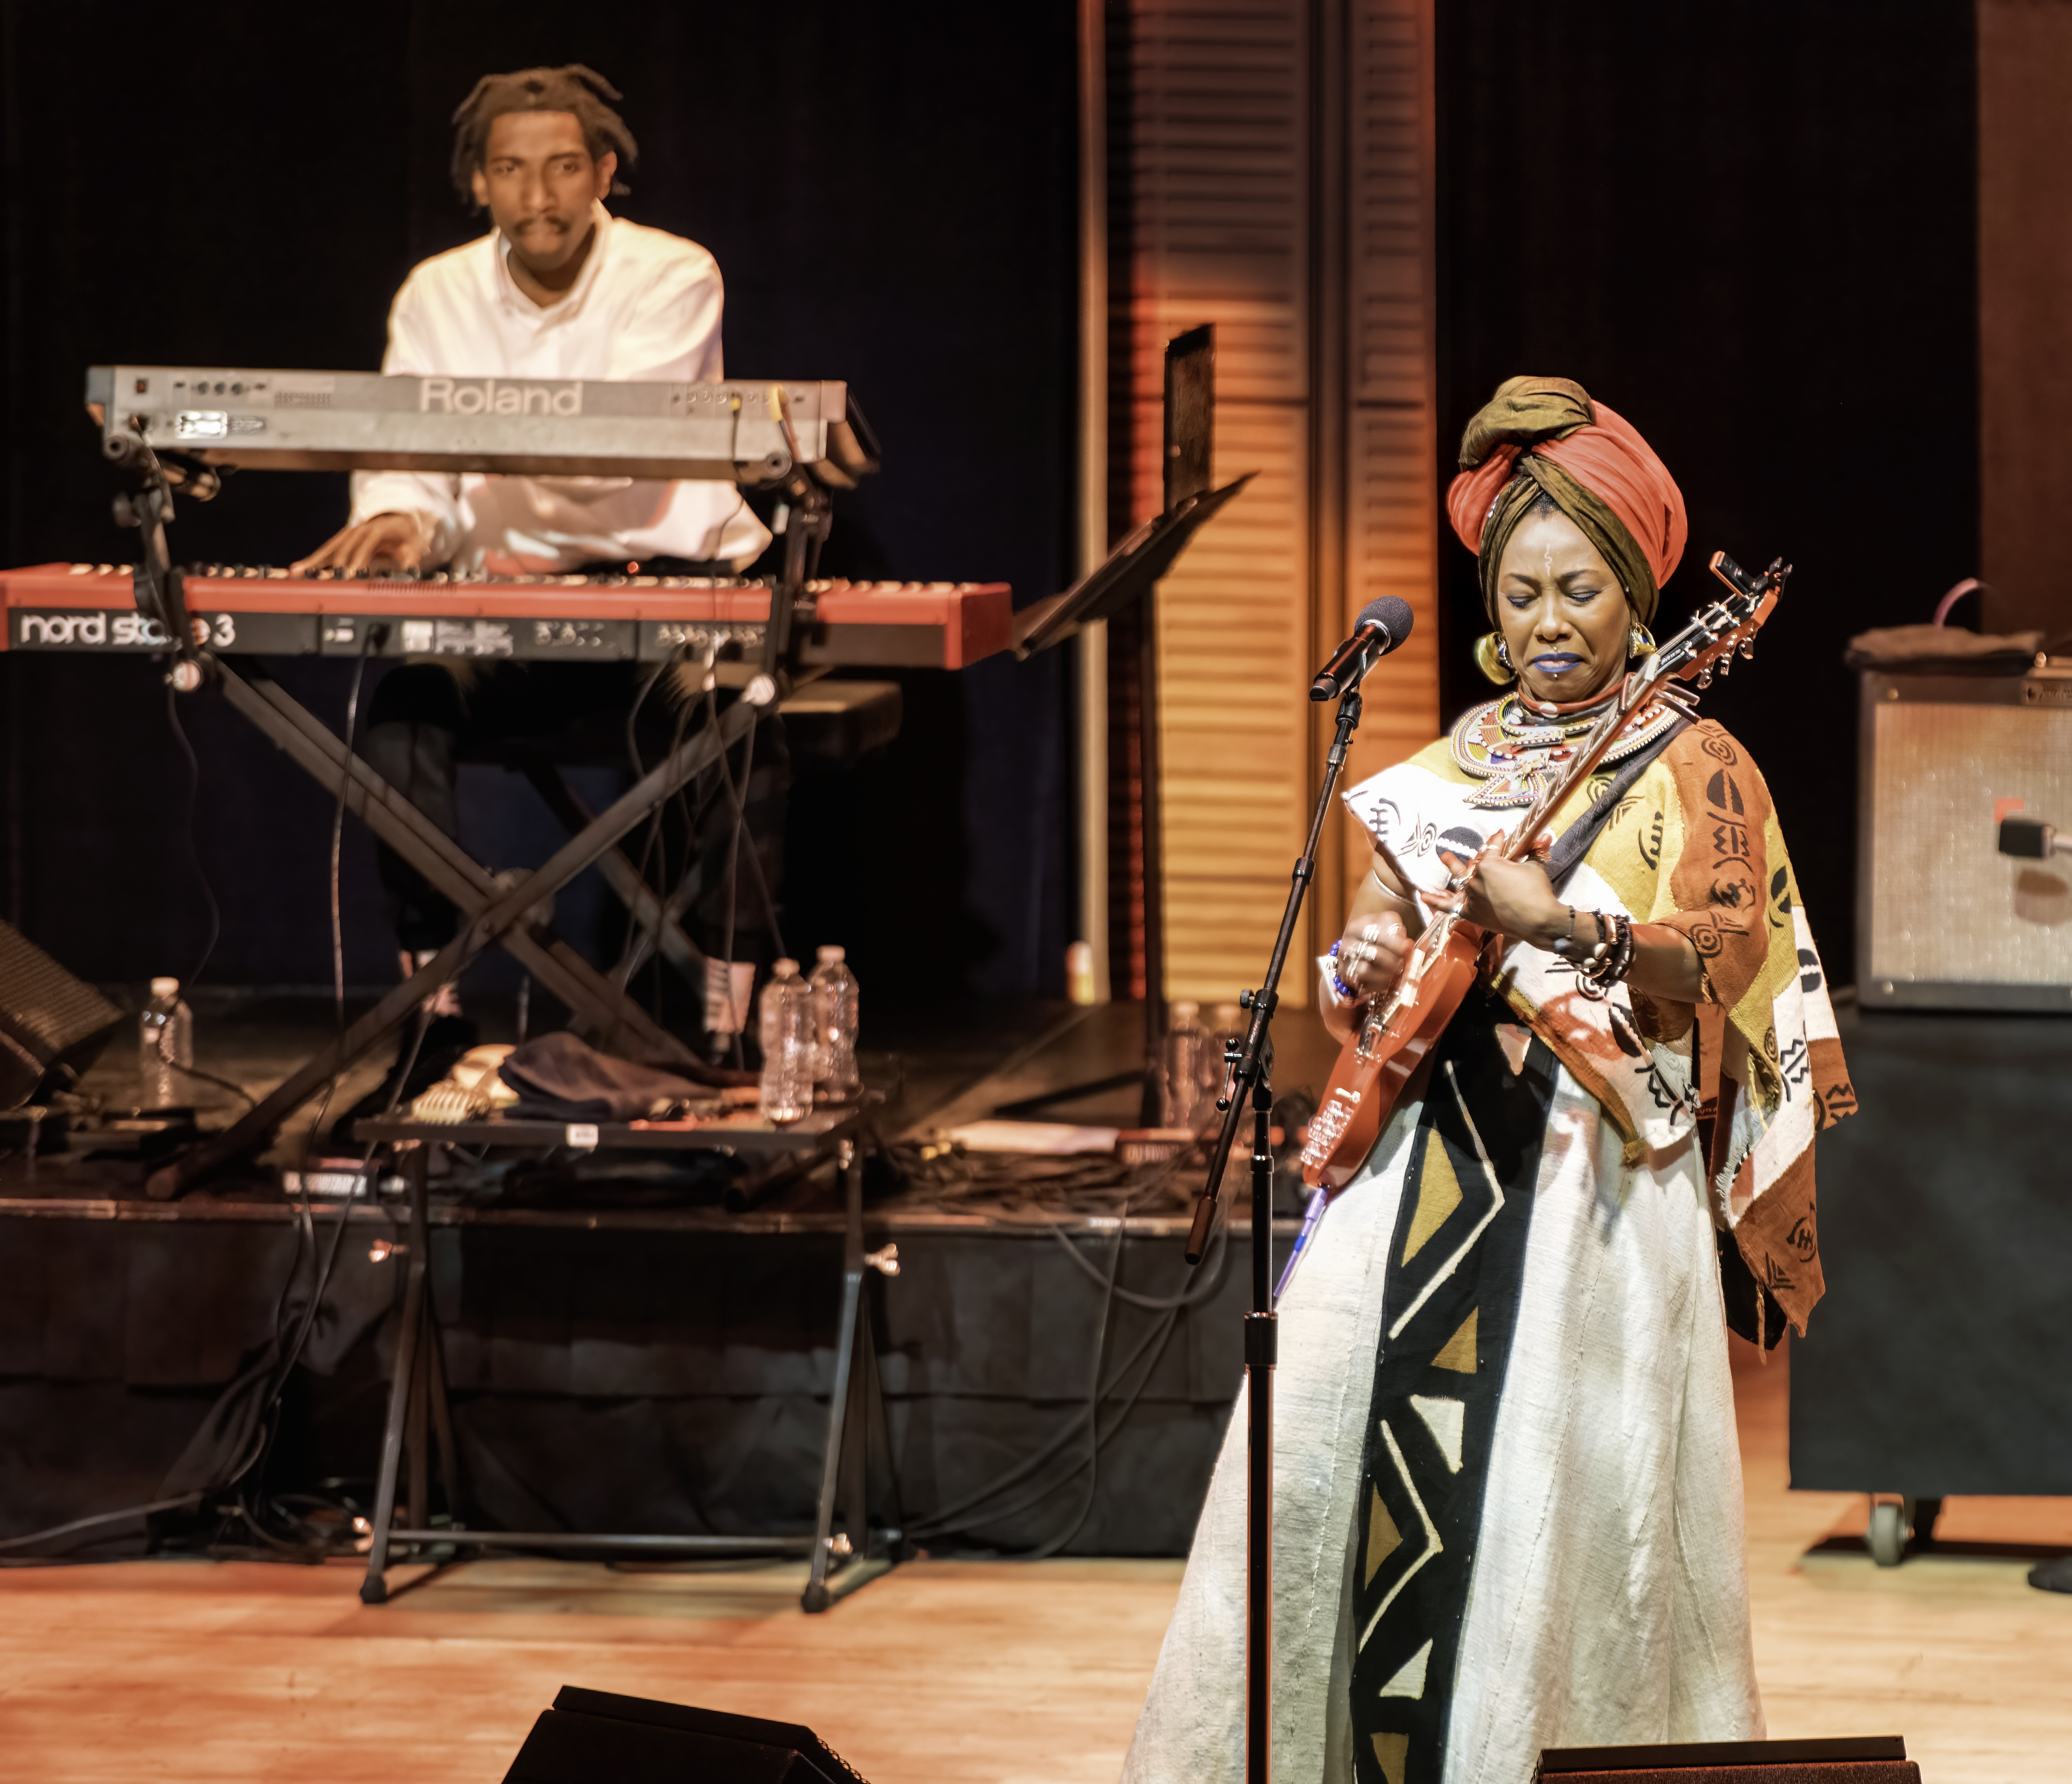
<point>653,1381</point>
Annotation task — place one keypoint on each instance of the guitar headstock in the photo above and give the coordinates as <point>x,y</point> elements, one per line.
<point>1721,629</point>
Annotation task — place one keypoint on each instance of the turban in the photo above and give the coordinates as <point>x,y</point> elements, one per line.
<point>1544,436</point>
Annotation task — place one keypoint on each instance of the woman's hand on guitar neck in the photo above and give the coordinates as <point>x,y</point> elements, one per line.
<point>1512,898</point>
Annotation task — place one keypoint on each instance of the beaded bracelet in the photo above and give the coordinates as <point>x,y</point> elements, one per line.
<point>1350,993</point>
<point>1611,963</point>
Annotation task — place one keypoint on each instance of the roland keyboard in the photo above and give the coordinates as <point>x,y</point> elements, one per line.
<point>262,612</point>
<point>559,427</point>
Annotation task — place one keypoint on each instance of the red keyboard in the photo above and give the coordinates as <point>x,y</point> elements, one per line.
<point>260,612</point>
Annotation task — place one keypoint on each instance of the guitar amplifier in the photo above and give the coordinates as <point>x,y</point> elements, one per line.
<point>1943,920</point>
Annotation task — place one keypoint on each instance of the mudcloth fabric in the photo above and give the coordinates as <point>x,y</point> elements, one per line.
<point>1449,1307</point>
<point>1692,844</point>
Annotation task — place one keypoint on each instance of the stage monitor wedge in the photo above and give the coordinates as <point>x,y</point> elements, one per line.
<point>600,1738</point>
<point>1875,1759</point>
<point>52,1026</point>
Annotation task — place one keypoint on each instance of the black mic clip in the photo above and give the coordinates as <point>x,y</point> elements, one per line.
<point>1383,625</point>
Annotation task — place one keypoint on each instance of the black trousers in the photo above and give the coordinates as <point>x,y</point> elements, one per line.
<point>425,718</point>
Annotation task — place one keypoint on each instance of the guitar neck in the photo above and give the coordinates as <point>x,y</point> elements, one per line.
<point>1594,750</point>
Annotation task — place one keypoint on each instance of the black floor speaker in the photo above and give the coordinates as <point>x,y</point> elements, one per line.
<point>52,1026</point>
<point>598,1738</point>
<point>1879,1759</point>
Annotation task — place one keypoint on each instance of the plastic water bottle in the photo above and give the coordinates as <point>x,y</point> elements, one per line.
<point>165,1043</point>
<point>786,1017</point>
<point>1187,1047</point>
<point>837,997</point>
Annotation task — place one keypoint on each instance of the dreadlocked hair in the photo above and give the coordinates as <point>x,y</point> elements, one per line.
<point>574,89</point>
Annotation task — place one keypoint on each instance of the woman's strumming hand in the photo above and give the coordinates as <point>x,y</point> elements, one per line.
<point>1372,951</point>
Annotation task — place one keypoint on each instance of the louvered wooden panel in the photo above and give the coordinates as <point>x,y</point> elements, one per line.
<point>1218,167</point>
<point>1220,175</point>
<point>1220,235</point>
<point>1233,654</point>
<point>1390,553</point>
<point>1391,473</point>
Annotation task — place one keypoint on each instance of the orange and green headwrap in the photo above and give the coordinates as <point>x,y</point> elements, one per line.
<point>1544,436</point>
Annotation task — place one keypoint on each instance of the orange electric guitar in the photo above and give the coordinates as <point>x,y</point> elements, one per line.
<point>1397,1033</point>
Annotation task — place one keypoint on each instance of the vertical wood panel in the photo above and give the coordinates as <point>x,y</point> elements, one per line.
<point>1220,163</point>
<point>1393,476</point>
<point>1231,103</point>
<point>2025,319</point>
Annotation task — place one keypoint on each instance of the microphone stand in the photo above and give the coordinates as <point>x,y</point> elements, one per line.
<point>1252,1078</point>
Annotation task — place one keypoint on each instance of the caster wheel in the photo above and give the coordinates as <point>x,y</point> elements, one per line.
<point>1886,1537</point>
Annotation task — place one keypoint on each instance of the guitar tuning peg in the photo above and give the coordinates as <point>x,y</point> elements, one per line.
<point>1727,663</point>
<point>1748,649</point>
<point>1705,676</point>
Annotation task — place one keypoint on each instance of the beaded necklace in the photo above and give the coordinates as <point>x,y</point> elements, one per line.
<point>1517,747</point>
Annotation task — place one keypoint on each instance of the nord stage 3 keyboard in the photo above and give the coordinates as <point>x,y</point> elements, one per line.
<point>538,427</point>
<point>260,612</point>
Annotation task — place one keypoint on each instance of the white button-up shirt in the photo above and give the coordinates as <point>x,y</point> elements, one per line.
<point>646,307</point>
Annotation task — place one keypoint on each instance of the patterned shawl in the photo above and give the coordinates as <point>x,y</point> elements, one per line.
<point>1694,845</point>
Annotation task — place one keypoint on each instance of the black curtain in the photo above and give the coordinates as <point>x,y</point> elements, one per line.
<point>1750,229</point>
<point>889,187</point>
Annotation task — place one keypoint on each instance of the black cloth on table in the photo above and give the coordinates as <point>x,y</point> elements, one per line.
<point>559,1078</point>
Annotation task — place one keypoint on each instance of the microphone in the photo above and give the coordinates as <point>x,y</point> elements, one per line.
<point>2031,839</point>
<point>1383,624</point>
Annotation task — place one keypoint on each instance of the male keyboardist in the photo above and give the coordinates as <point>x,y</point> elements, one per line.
<point>559,289</point>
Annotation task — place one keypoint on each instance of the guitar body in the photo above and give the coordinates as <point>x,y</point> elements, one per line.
<point>1381,1057</point>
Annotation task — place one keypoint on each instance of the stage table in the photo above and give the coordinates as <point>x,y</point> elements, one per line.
<point>417,1383</point>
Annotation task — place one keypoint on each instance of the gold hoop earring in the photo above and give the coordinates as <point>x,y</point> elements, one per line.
<point>1493,659</point>
<point>1640,641</point>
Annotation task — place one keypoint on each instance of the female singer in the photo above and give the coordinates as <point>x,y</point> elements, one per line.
<point>1508,1490</point>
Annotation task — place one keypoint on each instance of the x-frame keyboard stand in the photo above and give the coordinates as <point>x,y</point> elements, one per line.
<point>845,1552</point>
<point>491,913</point>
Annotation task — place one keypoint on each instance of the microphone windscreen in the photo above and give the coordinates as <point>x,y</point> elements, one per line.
<point>1391,614</point>
<point>2028,838</point>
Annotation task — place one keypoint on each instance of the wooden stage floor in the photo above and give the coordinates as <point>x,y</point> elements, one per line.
<point>946,1672</point>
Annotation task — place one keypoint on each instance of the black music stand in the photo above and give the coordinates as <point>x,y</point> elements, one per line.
<point>1126,584</point>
